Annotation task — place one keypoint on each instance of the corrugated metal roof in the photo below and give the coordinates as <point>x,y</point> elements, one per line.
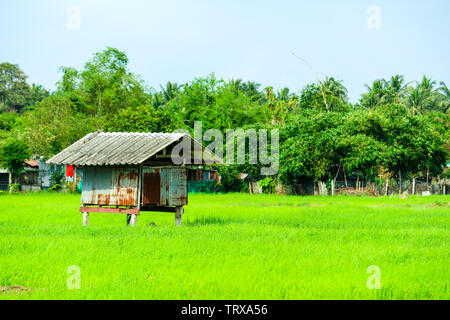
<point>118,148</point>
<point>32,163</point>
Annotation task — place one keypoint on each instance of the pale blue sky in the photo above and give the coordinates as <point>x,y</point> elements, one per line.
<point>252,40</point>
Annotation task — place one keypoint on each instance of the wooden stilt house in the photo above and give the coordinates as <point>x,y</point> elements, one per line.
<point>133,172</point>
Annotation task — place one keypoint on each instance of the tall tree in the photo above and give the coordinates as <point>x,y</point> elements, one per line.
<point>13,155</point>
<point>54,125</point>
<point>444,98</point>
<point>108,84</point>
<point>171,90</point>
<point>331,91</point>
<point>14,90</point>
<point>376,94</point>
<point>397,89</point>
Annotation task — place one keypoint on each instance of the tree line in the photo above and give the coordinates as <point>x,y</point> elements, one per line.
<point>397,128</point>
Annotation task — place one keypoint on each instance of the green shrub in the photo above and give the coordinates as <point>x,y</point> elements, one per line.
<point>15,187</point>
<point>55,187</point>
<point>56,180</point>
<point>267,184</point>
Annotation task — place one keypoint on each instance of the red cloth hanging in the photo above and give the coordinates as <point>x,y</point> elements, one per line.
<point>69,171</point>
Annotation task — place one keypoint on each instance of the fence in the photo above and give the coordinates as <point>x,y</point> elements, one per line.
<point>378,188</point>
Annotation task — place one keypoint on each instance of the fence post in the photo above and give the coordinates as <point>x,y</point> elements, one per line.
<point>414,186</point>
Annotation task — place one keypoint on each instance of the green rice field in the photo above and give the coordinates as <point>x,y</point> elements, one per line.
<point>231,246</point>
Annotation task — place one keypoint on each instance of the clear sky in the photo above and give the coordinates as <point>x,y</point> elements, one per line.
<point>356,41</point>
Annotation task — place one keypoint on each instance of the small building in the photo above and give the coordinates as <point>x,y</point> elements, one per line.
<point>202,180</point>
<point>4,179</point>
<point>133,172</point>
<point>29,179</point>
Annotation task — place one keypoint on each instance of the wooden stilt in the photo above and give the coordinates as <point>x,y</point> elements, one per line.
<point>178,213</point>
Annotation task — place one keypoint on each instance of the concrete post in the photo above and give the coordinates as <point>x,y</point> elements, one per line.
<point>85,218</point>
<point>178,213</point>
<point>133,220</point>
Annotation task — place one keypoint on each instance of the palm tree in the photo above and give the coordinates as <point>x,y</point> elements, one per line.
<point>336,88</point>
<point>444,89</point>
<point>427,83</point>
<point>236,84</point>
<point>171,90</point>
<point>444,97</point>
<point>375,95</point>
<point>284,94</point>
<point>418,99</point>
<point>251,88</point>
<point>397,88</point>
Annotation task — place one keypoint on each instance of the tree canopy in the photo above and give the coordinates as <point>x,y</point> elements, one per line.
<point>397,127</point>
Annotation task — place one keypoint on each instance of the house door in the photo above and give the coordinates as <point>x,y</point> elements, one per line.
<point>4,181</point>
<point>151,194</point>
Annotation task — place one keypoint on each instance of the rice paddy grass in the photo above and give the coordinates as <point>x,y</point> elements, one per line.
<point>231,246</point>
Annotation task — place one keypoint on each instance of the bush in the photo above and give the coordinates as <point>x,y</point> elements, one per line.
<point>55,179</point>
<point>230,181</point>
<point>15,187</point>
<point>267,184</point>
<point>55,187</point>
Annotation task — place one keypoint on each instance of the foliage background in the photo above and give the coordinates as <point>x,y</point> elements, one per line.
<point>397,128</point>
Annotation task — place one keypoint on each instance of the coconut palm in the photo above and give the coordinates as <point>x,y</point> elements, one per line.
<point>284,94</point>
<point>171,90</point>
<point>397,88</point>
<point>427,83</point>
<point>444,97</point>
<point>444,89</point>
<point>251,88</point>
<point>336,88</point>
<point>419,99</point>
<point>375,95</point>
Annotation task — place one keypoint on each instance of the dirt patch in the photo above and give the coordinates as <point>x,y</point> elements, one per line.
<point>289,204</point>
<point>418,205</point>
<point>14,289</point>
<point>438,204</point>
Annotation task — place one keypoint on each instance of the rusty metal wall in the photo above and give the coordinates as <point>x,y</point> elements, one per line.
<point>172,186</point>
<point>110,186</point>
